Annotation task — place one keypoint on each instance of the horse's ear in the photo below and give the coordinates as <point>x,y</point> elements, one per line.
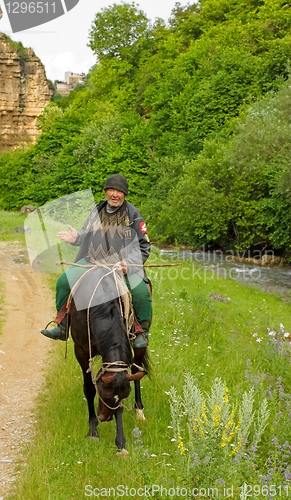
<point>135,376</point>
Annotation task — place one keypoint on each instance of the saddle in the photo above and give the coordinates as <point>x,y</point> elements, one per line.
<point>131,323</point>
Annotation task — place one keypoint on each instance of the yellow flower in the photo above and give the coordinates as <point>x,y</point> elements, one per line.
<point>203,413</point>
<point>236,449</point>
<point>216,416</point>
<point>181,446</point>
<point>223,440</point>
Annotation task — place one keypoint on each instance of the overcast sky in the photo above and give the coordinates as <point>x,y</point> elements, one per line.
<point>61,44</point>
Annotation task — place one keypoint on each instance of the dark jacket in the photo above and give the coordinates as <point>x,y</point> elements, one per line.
<point>136,237</point>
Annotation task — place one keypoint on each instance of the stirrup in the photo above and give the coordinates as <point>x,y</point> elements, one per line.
<point>57,333</point>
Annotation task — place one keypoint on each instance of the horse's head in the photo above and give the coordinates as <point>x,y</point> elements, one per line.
<point>113,387</point>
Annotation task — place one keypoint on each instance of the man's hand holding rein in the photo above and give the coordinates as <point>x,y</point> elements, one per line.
<point>121,267</point>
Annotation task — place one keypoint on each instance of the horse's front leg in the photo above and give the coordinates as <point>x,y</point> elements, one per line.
<point>139,354</point>
<point>90,392</point>
<point>120,438</point>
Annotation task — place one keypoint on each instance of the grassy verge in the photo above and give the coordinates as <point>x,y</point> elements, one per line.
<point>10,224</point>
<point>213,438</point>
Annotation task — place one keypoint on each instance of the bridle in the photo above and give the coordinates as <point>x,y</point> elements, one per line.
<point>112,367</point>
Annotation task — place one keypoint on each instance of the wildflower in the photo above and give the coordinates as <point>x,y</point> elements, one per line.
<point>216,416</point>
<point>286,334</point>
<point>137,432</point>
<point>258,339</point>
<point>237,447</point>
<point>203,413</point>
<point>223,440</point>
<point>181,446</point>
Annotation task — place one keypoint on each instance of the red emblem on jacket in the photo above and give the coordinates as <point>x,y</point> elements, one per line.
<point>143,227</point>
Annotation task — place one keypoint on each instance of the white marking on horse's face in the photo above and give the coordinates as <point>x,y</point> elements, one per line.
<point>116,398</point>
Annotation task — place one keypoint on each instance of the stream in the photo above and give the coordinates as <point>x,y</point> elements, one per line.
<point>269,279</point>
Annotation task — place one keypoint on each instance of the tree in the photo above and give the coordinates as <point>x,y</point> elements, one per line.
<point>116,29</point>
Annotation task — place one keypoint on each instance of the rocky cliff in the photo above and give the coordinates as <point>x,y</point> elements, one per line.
<point>24,93</point>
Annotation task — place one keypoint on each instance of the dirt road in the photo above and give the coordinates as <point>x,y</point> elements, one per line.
<point>23,353</point>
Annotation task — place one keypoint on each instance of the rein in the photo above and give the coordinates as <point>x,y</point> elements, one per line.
<point>120,404</point>
<point>90,369</point>
<point>115,366</point>
<point>108,367</point>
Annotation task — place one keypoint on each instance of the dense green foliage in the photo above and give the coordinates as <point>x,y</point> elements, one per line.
<point>194,112</point>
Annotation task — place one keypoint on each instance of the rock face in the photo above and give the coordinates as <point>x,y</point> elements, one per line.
<point>24,93</point>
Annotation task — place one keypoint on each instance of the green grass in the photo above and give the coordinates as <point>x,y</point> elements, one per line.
<point>8,222</point>
<point>190,334</point>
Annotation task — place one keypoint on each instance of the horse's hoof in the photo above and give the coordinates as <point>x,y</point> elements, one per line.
<point>139,414</point>
<point>96,438</point>
<point>122,453</point>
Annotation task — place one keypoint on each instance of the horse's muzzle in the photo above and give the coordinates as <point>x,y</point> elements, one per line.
<point>104,418</point>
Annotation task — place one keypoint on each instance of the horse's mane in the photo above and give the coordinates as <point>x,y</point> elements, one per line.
<point>108,330</point>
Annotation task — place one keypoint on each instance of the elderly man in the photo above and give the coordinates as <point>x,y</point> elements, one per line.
<point>114,233</point>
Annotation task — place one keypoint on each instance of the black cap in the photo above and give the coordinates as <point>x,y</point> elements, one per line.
<point>117,181</point>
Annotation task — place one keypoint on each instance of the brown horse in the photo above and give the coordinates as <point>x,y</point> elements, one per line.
<point>100,330</point>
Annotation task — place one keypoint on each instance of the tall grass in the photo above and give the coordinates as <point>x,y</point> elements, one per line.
<point>227,355</point>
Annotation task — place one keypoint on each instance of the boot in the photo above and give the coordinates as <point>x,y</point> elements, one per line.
<point>142,338</point>
<point>57,333</point>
